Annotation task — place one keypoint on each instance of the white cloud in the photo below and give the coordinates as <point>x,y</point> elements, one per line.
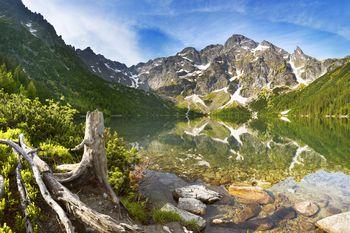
<point>83,27</point>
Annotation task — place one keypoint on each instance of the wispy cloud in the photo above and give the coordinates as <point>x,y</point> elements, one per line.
<point>135,30</point>
<point>82,26</point>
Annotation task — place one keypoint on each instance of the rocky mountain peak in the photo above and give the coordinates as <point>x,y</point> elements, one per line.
<point>267,43</point>
<point>236,41</point>
<point>188,50</point>
<point>88,50</point>
<point>298,50</point>
<point>190,54</point>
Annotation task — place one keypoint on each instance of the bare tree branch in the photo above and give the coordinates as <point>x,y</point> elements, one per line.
<point>43,190</point>
<point>24,199</point>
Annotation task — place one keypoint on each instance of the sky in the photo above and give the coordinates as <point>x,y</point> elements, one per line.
<point>132,31</point>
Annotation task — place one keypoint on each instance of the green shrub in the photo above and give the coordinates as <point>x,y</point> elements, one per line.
<point>120,161</point>
<point>5,229</point>
<point>55,154</point>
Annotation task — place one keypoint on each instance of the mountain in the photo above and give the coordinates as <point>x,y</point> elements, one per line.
<point>111,71</point>
<point>29,41</point>
<point>327,96</point>
<point>218,76</point>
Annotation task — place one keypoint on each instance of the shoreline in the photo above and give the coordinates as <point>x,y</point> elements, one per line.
<point>234,212</point>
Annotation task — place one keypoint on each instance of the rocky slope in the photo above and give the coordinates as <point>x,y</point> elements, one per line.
<point>218,76</point>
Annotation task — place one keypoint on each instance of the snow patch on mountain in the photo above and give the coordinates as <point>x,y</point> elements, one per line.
<point>236,97</point>
<point>260,47</point>
<point>239,74</point>
<point>225,89</point>
<point>31,29</point>
<point>298,72</point>
<point>109,67</point>
<point>195,99</point>
<point>202,67</point>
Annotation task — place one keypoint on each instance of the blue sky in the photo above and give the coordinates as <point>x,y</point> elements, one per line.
<point>131,31</point>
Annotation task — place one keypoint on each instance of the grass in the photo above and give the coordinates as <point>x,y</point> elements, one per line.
<point>136,209</point>
<point>163,217</point>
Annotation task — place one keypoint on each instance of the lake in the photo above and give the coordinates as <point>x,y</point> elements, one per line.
<point>304,159</point>
<point>220,151</point>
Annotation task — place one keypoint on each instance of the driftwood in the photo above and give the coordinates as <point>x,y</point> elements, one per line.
<point>53,186</point>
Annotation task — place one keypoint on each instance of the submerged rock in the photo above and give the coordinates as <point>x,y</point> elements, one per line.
<point>199,192</point>
<point>247,212</point>
<point>185,215</point>
<point>338,223</point>
<point>259,224</point>
<point>192,205</point>
<point>250,194</point>
<point>306,208</point>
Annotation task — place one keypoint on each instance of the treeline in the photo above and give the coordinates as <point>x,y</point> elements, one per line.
<point>328,95</point>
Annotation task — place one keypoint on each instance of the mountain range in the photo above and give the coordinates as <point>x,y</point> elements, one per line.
<point>216,78</point>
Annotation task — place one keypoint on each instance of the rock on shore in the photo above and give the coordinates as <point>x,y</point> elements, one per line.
<point>199,192</point>
<point>192,205</point>
<point>185,215</point>
<point>338,223</point>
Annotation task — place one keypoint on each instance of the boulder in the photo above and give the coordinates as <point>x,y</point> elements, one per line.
<point>158,187</point>
<point>192,205</point>
<point>199,192</point>
<point>185,215</point>
<point>338,223</point>
<point>250,194</point>
<point>306,208</point>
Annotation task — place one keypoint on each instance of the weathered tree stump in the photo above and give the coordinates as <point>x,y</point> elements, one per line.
<point>52,186</point>
<point>94,161</point>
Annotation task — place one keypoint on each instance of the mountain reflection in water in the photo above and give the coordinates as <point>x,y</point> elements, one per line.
<point>220,151</point>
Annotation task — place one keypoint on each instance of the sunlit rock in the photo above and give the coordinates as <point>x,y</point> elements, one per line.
<point>185,215</point>
<point>192,205</point>
<point>250,194</point>
<point>338,223</point>
<point>198,192</point>
<point>306,208</point>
